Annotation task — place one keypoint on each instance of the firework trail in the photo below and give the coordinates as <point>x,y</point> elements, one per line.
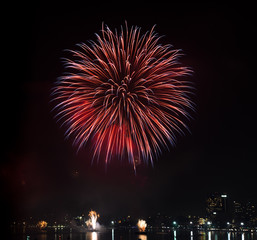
<point>124,94</point>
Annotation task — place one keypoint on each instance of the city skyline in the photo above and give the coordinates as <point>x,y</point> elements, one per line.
<point>220,218</point>
<point>41,171</point>
<point>216,205</point>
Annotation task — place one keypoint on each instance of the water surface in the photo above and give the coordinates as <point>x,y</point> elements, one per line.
<point>114,234</point>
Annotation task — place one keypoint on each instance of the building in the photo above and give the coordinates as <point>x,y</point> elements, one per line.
<point>217,208</point>
<point>250,212</point>
<point>216,203</point>
<point>238,211</point>
<point>245,213</point>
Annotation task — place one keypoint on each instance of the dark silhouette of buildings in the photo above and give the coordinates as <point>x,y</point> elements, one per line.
<point>221,212</point>
<point>217,208</point>
<point>244,213</point>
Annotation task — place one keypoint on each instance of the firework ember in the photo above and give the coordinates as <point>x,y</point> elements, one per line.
<point>124,94</point>
<point>141,224</point>
<point>91,222</point>
<point>42,224</point>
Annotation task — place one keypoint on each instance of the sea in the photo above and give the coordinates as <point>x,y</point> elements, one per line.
<point>117,234</point>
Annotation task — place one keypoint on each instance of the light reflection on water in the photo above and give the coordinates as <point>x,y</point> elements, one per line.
<point>192,235</point>
<point>229,235</point>
<point>243,236</point>
<point>209,235</point>
<point>92,237</point>
<point>114,234</point>
<point>142,237</point>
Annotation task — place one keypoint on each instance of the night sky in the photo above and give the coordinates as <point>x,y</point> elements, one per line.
<point>41,171</point>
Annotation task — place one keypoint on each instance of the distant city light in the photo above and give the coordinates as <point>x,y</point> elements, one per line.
<point>191,222</point>
<point>112,222</point>
<point>174,222</point>
<point>209,223</point>
<point>228,223</point>
<point>214,213</point>
<point>223,195</point>
<point>242,224</point>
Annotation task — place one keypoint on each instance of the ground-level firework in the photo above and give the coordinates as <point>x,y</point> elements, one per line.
<point>42,224</point>
<point>126,94</point>
<point>91,222</point>
<point>141,224</point>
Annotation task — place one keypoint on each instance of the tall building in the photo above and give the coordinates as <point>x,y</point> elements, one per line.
<point>250,211</point>
<point>244,213</point>
<point>238,210</point>
<point>217,209</point>
<point>216,204</point>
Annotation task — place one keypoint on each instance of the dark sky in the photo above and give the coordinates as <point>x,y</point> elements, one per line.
<point>41,171</point>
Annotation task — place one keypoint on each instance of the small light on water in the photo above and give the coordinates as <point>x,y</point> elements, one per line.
<point>191,234</point>
<point>228,235</point>
<point>209,235</point>
<point>112,234</point>
<point>243,236</point>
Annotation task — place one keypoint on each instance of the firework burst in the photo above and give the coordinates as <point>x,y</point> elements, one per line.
<point>91,222</point>
<point>141,225</point>
<point>124,93</point>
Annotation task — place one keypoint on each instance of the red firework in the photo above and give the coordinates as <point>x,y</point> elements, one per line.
<point>123,93</point>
